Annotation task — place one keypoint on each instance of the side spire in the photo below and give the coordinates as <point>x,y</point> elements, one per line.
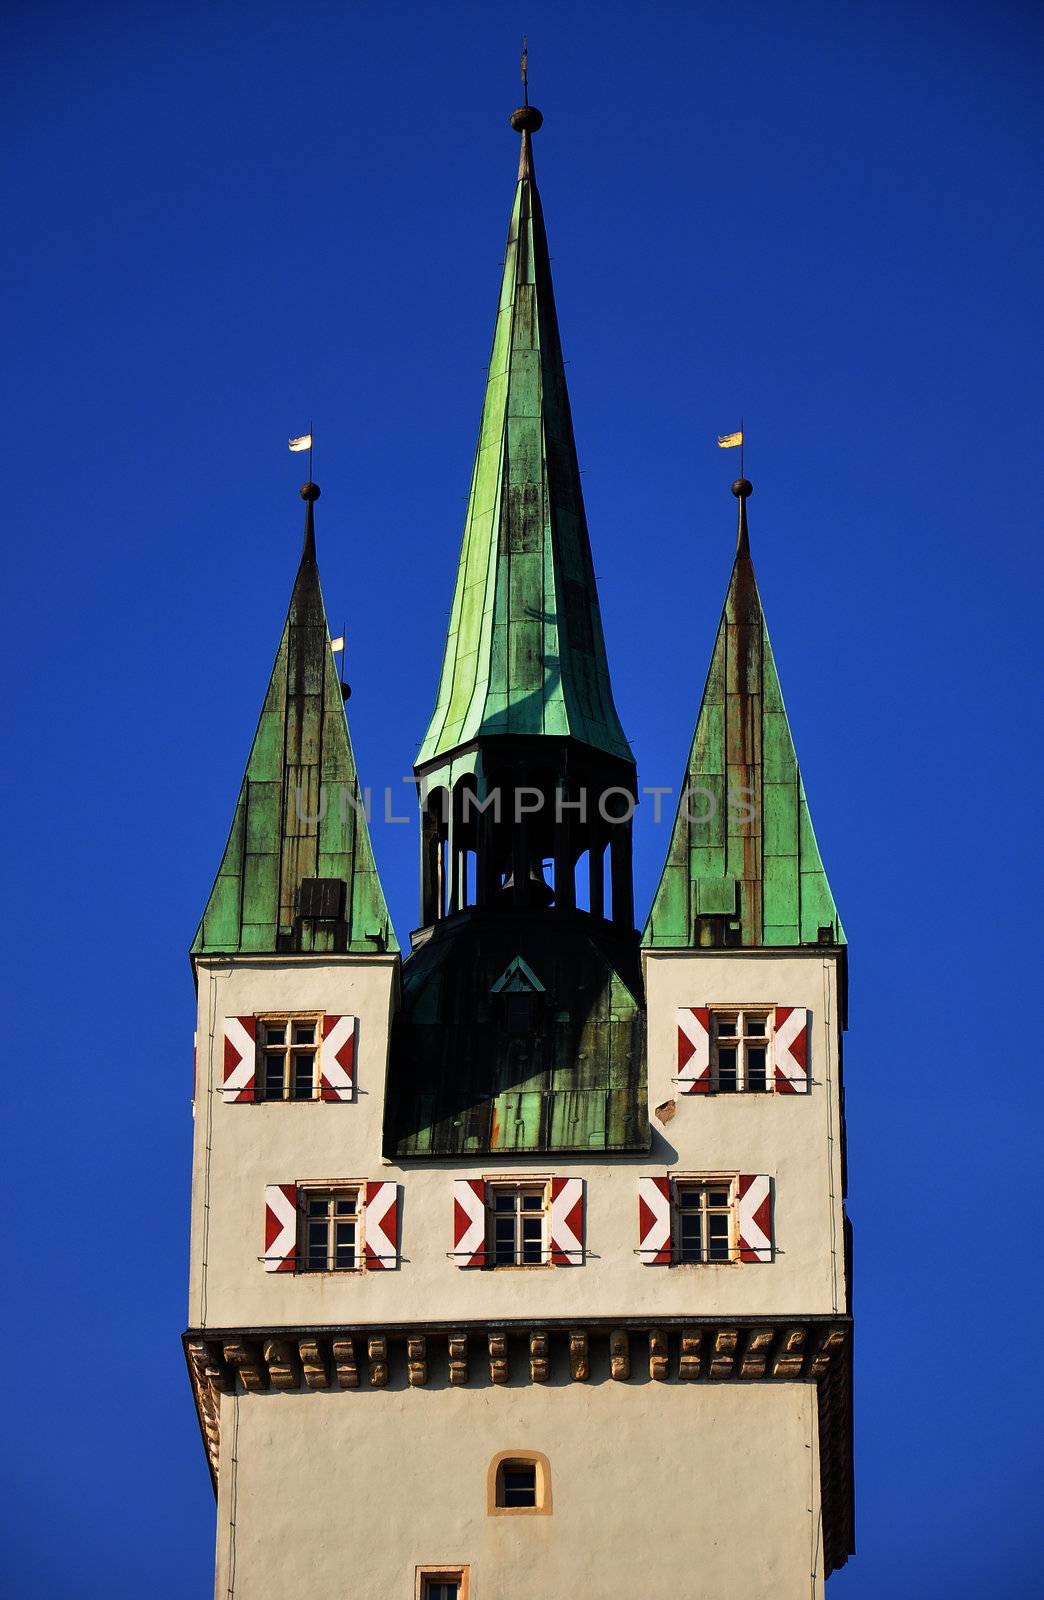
<point>525,653</point>
<point>300,814</point>
<point>743,866</point>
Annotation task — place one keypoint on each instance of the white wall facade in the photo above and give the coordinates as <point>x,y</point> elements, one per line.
<point>661,1491</point>
<point>240,1148</point>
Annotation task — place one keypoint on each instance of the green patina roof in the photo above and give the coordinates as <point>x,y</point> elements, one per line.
<point>727,879</point>
<point>302,745</point>
<point>525,652</point>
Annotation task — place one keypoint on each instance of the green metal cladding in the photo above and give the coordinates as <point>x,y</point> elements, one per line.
<point>300,811</point>
<point>525,652</point>
<point>750,874</point>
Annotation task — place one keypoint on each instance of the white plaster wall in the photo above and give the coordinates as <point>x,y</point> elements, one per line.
<point>689,1491</point>
<point>241,1148</point>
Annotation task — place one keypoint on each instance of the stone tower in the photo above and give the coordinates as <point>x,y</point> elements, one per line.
<point>520,1267</point>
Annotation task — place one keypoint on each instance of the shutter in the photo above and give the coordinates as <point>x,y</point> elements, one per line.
<point>693,1050</point>
<point>654,1221</point>
<point>337,1059</point>
<point>790,1050</point>
<point>381,1225</point>
<point>280,1227</point>
<point>567,1222</point>
<point>237,1084</point>
<point>754,1209</point>
<point>469,1222</point>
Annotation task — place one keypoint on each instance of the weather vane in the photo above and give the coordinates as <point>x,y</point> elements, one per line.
<point>525,71</point>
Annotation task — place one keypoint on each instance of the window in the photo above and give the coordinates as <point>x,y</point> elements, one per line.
<point>704,1221</point>
<point>288,1051</point>
<point>330,1222</point>
<point>442,1583</point>
<point>518,1480</point>
<point>518,1483</point>
<point>516,1224</point>
<point>739,1051</point>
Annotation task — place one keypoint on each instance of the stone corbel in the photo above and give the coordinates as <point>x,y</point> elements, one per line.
<point>458,1358</point>
<point>246,1358</point>
<point>377,1355</point>
<point>314,1363</point>
<point>417,1361</point>
<point>539,1357</point>
<point>345,1362</point>
<point>498,1358</point>
<point>659,1355</point>
<point>619,1355</point>
<point>579,1365</point>
<point>723,1356</point>
<point>689,1359</point>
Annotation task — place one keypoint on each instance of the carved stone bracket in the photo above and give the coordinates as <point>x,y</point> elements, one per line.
<point>246,1358</point>
<point>620,1355</point>
<point>755,1353</point>
<point>689,1359</point>
<point>314,1362</point>
<point>790,1356</point>
<point>283,1367</point>
<point>539,1357</point>
<point>346,1364</point>
<point>458,1358</point>
<point>498,1358</point>
<point>417,1361</point>
<point>579,1365</point>
<point>659,1355</point>
<point>377,1355</point>
<point>723,1356</point>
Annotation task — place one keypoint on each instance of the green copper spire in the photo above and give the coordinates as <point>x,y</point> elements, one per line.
<point>300,813</point>
<point>750,874</point>
<point>525,653</point>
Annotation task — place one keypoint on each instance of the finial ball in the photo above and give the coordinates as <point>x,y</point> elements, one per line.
<point>527,119</point>
<point>742,487</point>
<point>310,491</point>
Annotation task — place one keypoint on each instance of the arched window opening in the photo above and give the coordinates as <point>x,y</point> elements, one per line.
<point>519,1484</point>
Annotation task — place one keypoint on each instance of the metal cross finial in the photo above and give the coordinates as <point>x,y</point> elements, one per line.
<point>525,71</point>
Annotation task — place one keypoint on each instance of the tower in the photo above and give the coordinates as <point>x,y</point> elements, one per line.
<point>520,1266</point>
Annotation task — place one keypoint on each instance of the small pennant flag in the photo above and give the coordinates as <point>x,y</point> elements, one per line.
<point>304,443</point>
<point>726,441</point>
<point>337,644</point>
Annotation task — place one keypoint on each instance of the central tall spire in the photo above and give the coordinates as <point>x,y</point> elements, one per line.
<point>525,654</point>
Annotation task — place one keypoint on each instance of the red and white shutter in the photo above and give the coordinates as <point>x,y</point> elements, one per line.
<point>237,1082</point>
<point>754,1215</point>
<point>280,1227</point>
<point>654,1221</point>
<point>469,1222</point>
<point>790,1050</point>
<point>381,1225</point>
<point>567,1222</point>
<point>693,1050</point>
<point>337,1059</point>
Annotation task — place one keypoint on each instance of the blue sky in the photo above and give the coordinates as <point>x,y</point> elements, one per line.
<point>225,221</point>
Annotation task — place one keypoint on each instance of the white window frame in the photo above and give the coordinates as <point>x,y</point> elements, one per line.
<point>519,1187</point>
<point>331,1192</point>
<point>741,1041</point>
<point>704,1184</point>
<point>288,1020</point>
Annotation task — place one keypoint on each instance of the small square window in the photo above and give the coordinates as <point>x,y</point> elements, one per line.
<point>520,1483</point>
<point>288,1053</point>
<point>739,1052</point>
<point>331,1230</point>
<point>517,1214</point>
<point>442,1583</point>
<point>704,1223</point>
